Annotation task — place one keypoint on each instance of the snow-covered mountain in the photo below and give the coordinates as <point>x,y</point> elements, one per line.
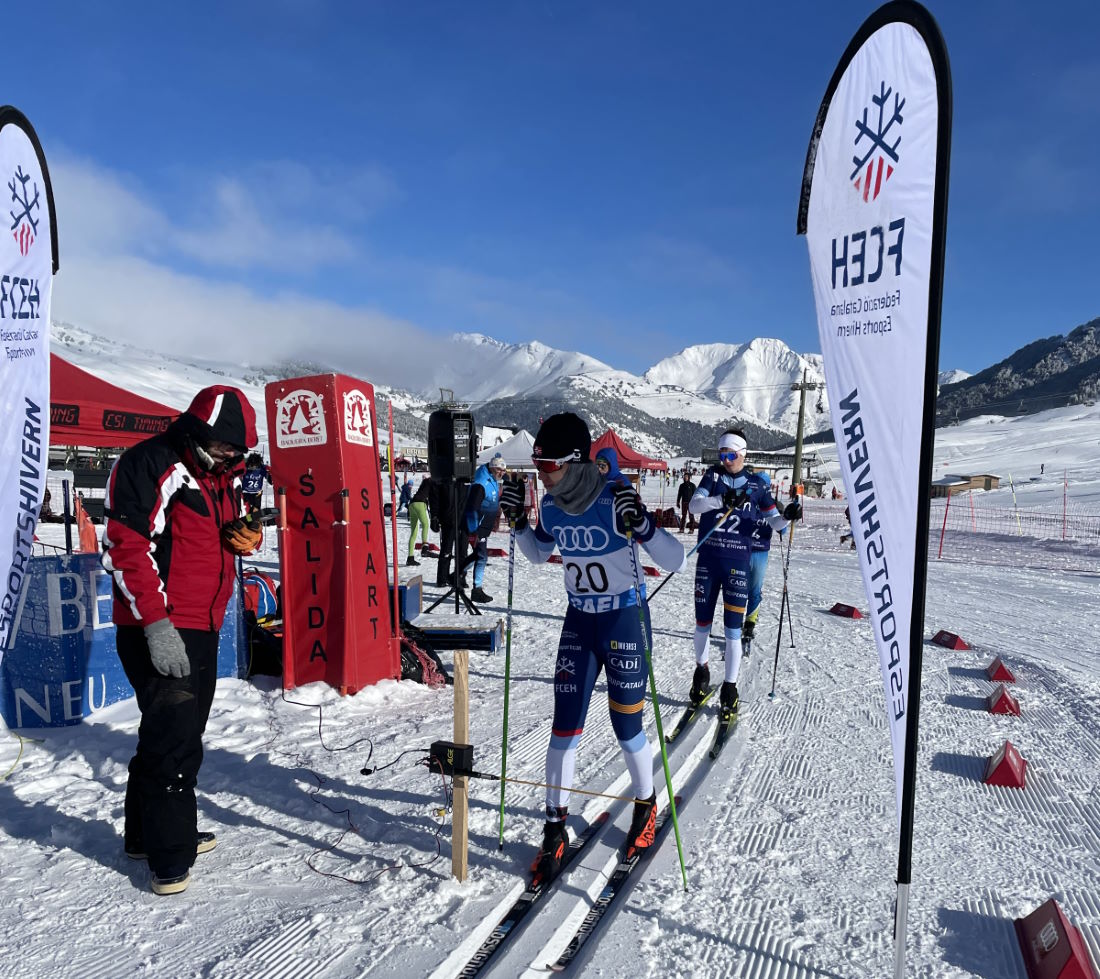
<point>711,384</point>
<point>674,409</point>
<point>952,377</point>
<point>1056,370</point>
<point>479,368</point>
<point>173,381</point>
<point>751,379</point>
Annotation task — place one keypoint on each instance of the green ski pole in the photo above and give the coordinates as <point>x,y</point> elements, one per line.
<point>507,676</point>
<point>656,705</point>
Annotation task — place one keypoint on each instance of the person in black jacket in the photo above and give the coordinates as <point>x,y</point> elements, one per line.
<point>683,498</point>
<point>175,525</point>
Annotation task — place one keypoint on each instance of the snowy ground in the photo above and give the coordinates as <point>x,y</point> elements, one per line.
<point>789,838</point>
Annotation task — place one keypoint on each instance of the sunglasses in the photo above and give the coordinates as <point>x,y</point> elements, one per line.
<point>728,455</point>
<point>552,465</point>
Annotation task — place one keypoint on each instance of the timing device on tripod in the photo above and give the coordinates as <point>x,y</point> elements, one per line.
<point>452,459</point>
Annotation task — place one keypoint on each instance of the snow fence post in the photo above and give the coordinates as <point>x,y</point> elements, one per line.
<point>459,809</point>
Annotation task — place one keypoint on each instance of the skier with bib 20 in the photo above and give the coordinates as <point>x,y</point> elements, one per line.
<point>597,526</point>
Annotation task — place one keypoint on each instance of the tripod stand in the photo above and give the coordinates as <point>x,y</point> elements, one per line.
<point>456,589</point>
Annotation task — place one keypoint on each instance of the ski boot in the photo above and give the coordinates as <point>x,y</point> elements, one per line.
<point>729,701</point>
<point>411,562</point>
<point>479,596</point>
<point>700,684</point>
<point>548,861</point>
<point>642,827</point>
<point>747,631</point>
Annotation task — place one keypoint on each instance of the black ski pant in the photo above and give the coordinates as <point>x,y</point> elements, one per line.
<point>446,550</point>
<point>688,518</point>
<point>161,817</point>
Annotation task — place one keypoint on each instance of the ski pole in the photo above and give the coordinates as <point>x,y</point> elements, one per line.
<point>787,594</point>
<point>784,604</point>
<point>702,540</point>
<point>507,676</point>
<point>656,705</point>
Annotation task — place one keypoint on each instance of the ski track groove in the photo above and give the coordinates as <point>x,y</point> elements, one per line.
<point>759,954</point>
<point>285,954</point>
<point>688,778</point>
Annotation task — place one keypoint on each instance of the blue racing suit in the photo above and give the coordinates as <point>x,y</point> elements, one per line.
<point>725,557</point>
<point>480,515</point>
<point>602,630</point>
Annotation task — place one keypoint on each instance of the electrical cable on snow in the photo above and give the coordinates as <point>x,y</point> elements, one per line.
<point>352,828</point>
<point>314,794</point>
<point>22,741</point>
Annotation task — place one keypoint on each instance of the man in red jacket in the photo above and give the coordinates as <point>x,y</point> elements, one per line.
<point>174,527</point>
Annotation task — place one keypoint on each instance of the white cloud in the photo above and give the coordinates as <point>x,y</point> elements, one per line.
<point>275,216</point>
<point>115,279</point>
<point>102,212</point>
<point>133,272</point>
<point>135,300</point>
<point>231,230</point>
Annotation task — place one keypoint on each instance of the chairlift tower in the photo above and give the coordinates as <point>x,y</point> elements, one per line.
<point>801,388</point>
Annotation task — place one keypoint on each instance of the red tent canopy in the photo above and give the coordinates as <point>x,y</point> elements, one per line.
<point>85,410</point>
<point>628,458</point>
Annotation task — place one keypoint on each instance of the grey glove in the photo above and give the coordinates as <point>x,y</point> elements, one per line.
<point>166,649</point>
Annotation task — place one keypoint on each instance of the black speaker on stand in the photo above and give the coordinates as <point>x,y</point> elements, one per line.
<point>452,449</point>
<point>452,460</point>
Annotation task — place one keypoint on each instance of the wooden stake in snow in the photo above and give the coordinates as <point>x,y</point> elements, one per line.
<point>460,802</point>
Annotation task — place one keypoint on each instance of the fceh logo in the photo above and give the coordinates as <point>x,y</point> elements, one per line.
<point>880,157</point>
<point>24,227</point>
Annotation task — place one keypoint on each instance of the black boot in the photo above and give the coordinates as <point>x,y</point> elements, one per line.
<point>642,827</point>
<point>729,699</point>
<point>479,596</point>
<point>548,861</point>
<point>411,562</point>
<point>700,684</point>
<point>442,574</point>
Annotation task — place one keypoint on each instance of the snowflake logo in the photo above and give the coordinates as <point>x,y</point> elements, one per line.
<point>23,225</point>
<point>874,168</point>
<point>566,667</point>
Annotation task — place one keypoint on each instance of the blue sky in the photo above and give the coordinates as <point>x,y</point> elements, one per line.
<point>620,179</point>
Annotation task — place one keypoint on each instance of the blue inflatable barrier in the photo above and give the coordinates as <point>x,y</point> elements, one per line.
<point>61,665</point>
